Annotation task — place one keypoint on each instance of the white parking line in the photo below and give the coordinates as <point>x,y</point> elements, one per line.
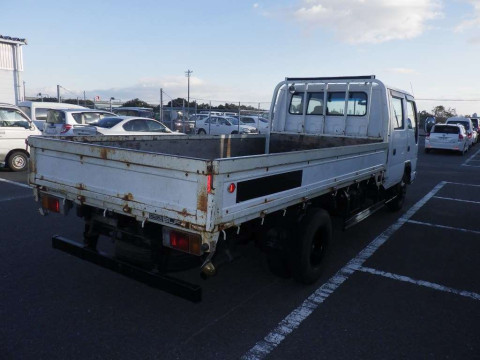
<point>427,284</point>
<point>297,316</point>
<point>462,184</point>
<point>461,200</point>
<point>470,159</point>
<point>443,226</point>
<point>16,198</point>
<point>15,183</point>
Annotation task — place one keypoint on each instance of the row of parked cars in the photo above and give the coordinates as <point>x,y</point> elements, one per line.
<point>57,119</point>
<point>457,133</point>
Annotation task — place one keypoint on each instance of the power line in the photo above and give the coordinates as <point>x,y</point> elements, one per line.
<point>420,99</point>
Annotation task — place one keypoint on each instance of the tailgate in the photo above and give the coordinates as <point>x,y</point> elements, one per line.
<point>156,187</point>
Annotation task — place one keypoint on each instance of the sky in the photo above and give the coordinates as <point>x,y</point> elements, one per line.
<point>239,50</point>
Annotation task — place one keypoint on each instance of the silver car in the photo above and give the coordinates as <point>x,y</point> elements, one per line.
<point>71,121</point>
<point>130,125</point>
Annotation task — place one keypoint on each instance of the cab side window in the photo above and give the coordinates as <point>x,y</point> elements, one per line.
<point>296,104</point>
<point>397,113</point>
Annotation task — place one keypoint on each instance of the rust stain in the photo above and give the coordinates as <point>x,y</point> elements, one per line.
<point>33,166</point>
<point>128,197</point>
<point>127,209</point>
<point>103,153</point>
<point>202,201</point>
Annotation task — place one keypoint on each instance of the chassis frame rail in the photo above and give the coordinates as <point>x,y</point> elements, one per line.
<point>162,282</point>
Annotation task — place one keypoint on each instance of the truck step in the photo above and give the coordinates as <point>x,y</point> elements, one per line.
<point>165,283</point>
<point>362,215</point>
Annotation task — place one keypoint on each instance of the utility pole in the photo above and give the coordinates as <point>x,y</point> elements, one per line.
<point>58,93</point>
<point>24,91</point>
<point>187,74</point>
<point>84,99</point>
<point>160,109</point>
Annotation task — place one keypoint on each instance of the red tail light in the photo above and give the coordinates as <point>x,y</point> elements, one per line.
<point>179,241</point>
<point>65,128</point>
<point>460,137</point>
<point>51,203</point>
<point>190,243</point>
<point>209,183</point>
<point>469,135</point>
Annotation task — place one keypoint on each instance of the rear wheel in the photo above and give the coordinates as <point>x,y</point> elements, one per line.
<point>201,132</point>
<point>309,249</point>
<point>234,132</point>
<point>18,161</point>
<point>427,150</point>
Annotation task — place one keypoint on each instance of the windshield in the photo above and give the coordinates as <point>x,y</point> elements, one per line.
<point>107,123</point>
<point>13,118</point>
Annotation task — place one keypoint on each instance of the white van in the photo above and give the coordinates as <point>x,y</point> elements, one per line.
<point>37,111</point>
<point>15,128</point>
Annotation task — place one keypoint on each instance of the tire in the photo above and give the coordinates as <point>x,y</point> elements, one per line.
<point>202,132</point>
<point>18,161</point>
<point>235,132</point>
<point>400,191</point>
<point>427,151</point>
<point>308,251</point>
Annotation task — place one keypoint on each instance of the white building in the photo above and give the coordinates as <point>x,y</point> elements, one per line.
<point>11,64</point>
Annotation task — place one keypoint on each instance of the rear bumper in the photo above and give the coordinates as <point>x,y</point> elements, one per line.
<point>448,146</point>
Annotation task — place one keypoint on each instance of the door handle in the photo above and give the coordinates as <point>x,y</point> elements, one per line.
<point>394,151</point>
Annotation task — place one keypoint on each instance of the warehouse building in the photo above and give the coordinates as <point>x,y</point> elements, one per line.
<point>11,66</point>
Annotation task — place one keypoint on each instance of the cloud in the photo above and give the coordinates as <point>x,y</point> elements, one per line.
<point>255,5</point>
<point>368,21</point>
<point>402,71</point>
<point>472,22</point>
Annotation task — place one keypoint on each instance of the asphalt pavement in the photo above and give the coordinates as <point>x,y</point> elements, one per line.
<point>397,285</point>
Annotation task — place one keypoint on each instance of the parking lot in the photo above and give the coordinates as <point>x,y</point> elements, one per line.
<point>397,285</point>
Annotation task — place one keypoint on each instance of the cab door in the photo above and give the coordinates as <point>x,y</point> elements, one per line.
<point>397,151</point>
<point>412,136</point>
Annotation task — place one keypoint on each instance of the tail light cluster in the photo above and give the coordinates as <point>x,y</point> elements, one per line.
<point>469,135</point>
<point>54,204</point>
<point>65,128</point>
<point>179,240</point>
<point>460,137</point>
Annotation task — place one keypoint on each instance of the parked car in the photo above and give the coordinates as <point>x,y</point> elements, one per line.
<point>15,128</point>
<point>220,125</point>
<point>135,111</point>
<point>72,121</point>
<point>467,124</point>
<point>447,137</point>
<point>130,125</point>
<point>37,111</point>
<point>259,122</point>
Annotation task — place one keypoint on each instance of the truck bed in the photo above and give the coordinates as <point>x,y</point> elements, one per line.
<point>164,179</point>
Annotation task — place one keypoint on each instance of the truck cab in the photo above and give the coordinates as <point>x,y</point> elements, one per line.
<point>352,107</point>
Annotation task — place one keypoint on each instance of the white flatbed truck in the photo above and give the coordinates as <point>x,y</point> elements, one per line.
<point>342,146</point>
